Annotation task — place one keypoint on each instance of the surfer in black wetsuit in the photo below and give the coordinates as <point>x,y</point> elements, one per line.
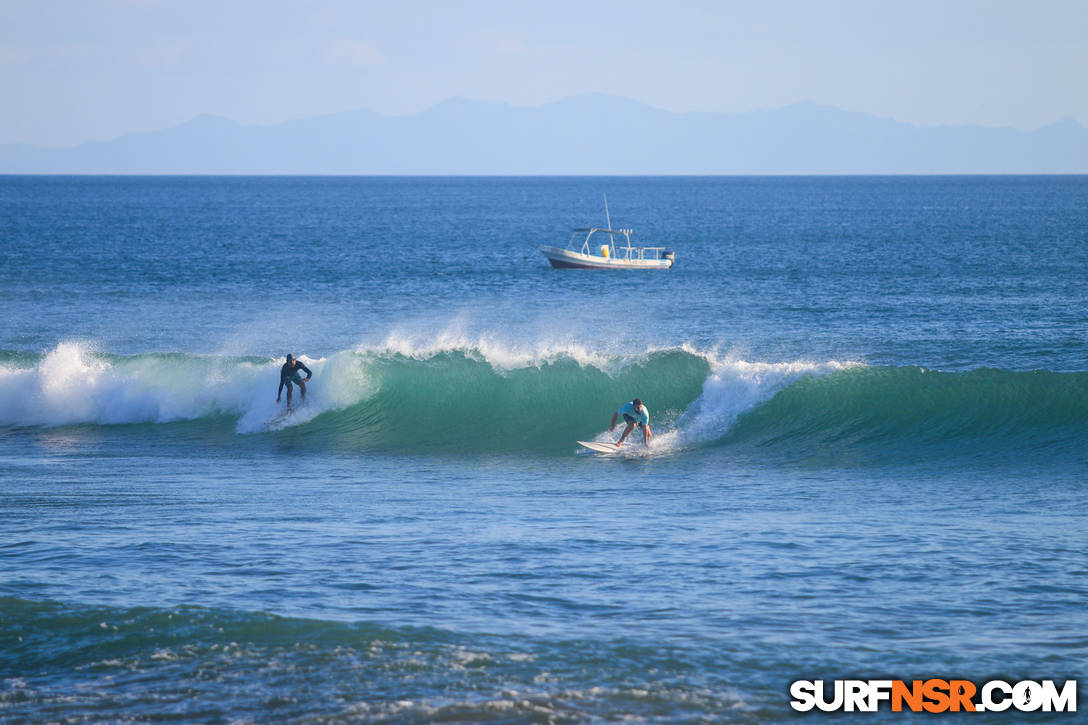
<point>289,374</point>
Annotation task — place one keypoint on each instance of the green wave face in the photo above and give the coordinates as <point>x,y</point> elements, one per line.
<point>465,400</point>
<point>455,401</point>
<point>909,411</point>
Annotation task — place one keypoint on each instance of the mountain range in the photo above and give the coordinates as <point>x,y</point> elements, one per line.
<point>594,134</point>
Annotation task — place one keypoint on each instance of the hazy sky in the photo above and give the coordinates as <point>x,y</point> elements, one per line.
<point>75,71</point>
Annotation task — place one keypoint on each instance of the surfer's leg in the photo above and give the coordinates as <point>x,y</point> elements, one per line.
<point>289,386</point>
<point>626,432</point>
<point>302,389</point>
<point>646,435</point>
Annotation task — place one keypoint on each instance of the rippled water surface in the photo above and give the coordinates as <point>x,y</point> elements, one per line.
<point>869,396</point>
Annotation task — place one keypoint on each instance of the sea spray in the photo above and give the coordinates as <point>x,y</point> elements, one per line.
<point>732,388</point>
<point>75,384</point>
<point>340,382</point>
<point>488,397</point>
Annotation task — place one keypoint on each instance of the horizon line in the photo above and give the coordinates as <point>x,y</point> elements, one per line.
<point>8,175</point>
<point>507,104</point>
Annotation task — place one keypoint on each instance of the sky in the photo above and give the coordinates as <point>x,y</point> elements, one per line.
<point>74,71</point>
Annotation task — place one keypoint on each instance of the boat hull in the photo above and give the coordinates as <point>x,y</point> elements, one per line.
<point>568,259</point>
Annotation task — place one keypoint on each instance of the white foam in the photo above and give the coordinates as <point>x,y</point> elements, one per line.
<point>505,355</point>
<point>501,355</point>
<point>340,381</point>
<point>72,384</point>
<point>733,387</point>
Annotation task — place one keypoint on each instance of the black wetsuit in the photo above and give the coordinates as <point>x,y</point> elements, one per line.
<point>289,374</point>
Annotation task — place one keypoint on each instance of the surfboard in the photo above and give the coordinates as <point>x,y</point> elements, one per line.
<point>599,447</point>
<point>279,420</point>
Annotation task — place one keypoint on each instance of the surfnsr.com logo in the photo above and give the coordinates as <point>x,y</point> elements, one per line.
<point>934,695</point>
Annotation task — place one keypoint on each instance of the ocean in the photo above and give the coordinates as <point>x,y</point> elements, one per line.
<point>869,397</point>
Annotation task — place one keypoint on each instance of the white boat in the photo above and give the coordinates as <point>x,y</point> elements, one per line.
<point>594,255</point>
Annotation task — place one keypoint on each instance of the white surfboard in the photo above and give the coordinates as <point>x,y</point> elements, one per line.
<point>280,414</point>
<point>280,419</point>
<point>599,447</point>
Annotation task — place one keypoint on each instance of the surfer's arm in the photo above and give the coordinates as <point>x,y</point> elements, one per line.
<point>279,390</point>
<point>300,366</point>
<point>612,425</point>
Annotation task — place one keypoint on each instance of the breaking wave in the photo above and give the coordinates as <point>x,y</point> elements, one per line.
<point>475,396</point>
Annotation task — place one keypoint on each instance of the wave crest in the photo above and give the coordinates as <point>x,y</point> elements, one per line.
<point>477,396</point>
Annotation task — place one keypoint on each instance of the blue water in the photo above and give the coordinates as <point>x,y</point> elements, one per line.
<point>869,395</point>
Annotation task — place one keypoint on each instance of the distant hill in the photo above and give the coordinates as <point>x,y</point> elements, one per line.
<point>595,134</point>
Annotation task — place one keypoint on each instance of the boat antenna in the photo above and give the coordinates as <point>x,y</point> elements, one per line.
<point>611,241</point>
